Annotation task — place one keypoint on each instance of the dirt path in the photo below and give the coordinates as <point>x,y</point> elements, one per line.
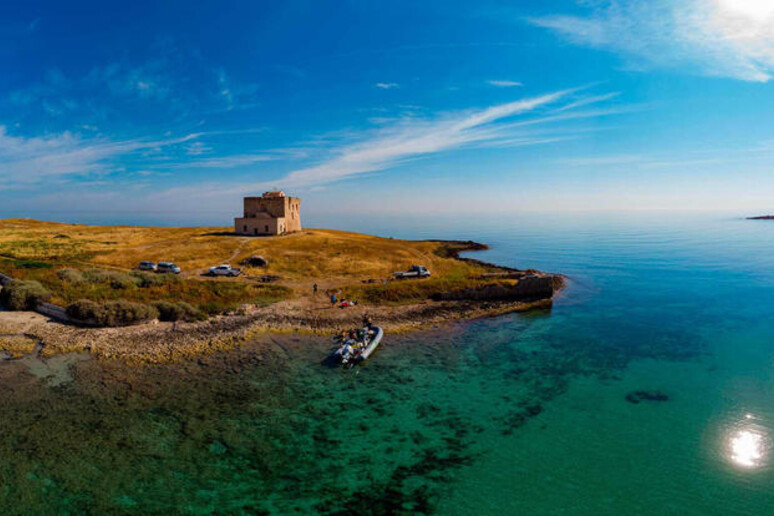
<point>20,322</point>
<point>240,247</point>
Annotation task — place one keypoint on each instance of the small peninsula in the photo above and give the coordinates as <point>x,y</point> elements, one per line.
<point>762,217</point>
<point>276,292</point>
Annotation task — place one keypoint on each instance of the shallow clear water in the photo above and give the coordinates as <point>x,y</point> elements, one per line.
<point>524,414</point>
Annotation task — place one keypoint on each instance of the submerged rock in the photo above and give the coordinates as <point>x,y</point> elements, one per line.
<point>638,396</point>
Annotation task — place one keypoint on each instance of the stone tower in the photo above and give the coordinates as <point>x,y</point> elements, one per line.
<point>273,213</point>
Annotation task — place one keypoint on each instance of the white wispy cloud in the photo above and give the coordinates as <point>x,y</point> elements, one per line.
<point>167,83</point>
<point>724,38</point>
<point>235,95</point>
<point>57,93</point>
<point>387,85</point>
<point>225,90</point>
<point>415,138</point>
<point>197,149</point>
<point>504,84</point>
<point>405,140</point>
<point>233,161</point>
<point>26,160</point>
<point>587,101</point>
<point>33,160</point>
<point>150,80</point>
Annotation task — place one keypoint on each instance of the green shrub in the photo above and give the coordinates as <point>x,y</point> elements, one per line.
<point>84,310</point>
<point>112,313</point>
<point>23,295</point>
<point>124,313</point>
<point>150,279</point>
<point>214,308</point>
<point>73,276</point>
<point>31,264</point>
<point>117,280</point>
<point>177,312</point>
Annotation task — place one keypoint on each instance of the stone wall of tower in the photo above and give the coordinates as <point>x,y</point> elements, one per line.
<point>293,215</point>
<point>274,206</point>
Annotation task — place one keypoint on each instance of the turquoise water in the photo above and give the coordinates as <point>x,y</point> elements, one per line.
<point>523,414</point>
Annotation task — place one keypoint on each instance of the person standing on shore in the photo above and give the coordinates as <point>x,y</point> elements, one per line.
<point>314,289</point>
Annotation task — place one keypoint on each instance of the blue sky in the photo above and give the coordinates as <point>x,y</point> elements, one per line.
<point>177,108</point>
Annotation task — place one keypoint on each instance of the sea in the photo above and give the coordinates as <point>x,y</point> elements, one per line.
<point>648,388</point>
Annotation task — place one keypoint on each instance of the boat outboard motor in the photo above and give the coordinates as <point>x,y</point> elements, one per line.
<point>346,352</point>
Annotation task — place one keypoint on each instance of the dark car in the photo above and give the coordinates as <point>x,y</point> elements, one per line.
<point>147,266</point>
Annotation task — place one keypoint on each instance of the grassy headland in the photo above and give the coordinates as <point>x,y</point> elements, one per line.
<point>97,263</point>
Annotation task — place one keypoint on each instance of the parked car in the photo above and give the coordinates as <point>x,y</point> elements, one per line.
<point>147,266</point>
<point>167,267</point>
<point>416,271</point>
<point>225,270</point>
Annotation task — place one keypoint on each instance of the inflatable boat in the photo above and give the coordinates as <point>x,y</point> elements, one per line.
<point>353,351</point>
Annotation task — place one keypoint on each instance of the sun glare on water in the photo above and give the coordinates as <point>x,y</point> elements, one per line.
<point>747,443</point>
<point>758,10</point>
<point>747,448</point>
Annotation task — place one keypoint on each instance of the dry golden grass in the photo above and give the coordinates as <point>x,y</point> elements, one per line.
<point>337,260</point>
<point>315,253</point>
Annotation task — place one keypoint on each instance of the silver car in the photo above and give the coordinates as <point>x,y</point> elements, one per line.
<point>167,267</point>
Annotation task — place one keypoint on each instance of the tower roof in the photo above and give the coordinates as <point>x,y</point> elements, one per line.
<point>276,193</point>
